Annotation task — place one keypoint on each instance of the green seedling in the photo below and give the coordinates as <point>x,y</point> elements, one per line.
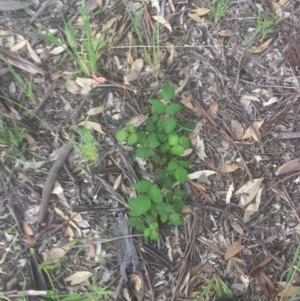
<point>10,141</point>
<point>162,140</point>
<point>218,9</point>
<point>293,271</point>
<point>86,144</point>
<point>151,47</point>
<point>265,23</point>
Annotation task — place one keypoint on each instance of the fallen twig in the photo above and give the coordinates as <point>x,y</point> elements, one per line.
<point>51,178</point>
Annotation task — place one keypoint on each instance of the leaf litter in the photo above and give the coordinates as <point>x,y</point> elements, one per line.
<point>247,94</point>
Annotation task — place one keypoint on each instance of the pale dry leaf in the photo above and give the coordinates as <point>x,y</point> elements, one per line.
<point>171,49</point>
<point>18,45</point>
<point>91,125</point>
<point>229,193</point>
<point>117,182</point>
<point>27,229</point>
<point>78,277</point>
<point>53,255</point>
<point>33,164</point>
<point>86,82</point>
<point>72,87</point>
<point>261,48</point>
<point>109,24</point>
<point>31,142</point>
<point>187,101</point>
<point>200,11</point>
<point>69,233</point>
<point>136,68</point>
<point>163,22</point>
<point>249,211</point>
<point>213,109</point>
<point>138,283</point>
<point>195,17</point>
<point>58,50</point>
<point>201,174</point>
<point>182,83</point>
<point>199,146</point>
<point>248,191</point>
<point>226,33</point>
<point>186,152</point>
<point>233,249</point>
<point>237,227</point>
<point>33,54</point>
<point>287,290</point>
<point>229,168</point>
<point>95,111</point>
<point>237,129</point>
<point>99,79</point>
<point>253,131</point>
<point>291,166</point>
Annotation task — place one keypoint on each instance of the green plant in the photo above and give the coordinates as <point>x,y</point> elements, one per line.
<point>86,145</point>
<point>162,140</point>
<point>292,272</point>
<point>218,9</point>
<point>84,45</point>
<point>10,141</point>
<point>150,46</point>
<point>265,23</point>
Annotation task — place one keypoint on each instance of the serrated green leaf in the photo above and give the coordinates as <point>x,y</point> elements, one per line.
<point>184,163</point>
<point>154,226</point>
<point>169,125</point>
<point>175,219</point>
<point>167,92</point>
<point>141,137</point>
<point>181,175</point>
<point>143,186</point>
<point>150,127</point>
<point>184,141</point>
<point>147,232</point>
<point>121,136</point>
<point>165,148</point>
<point>154,235</point>
<point>172,165</point>
<point>158,106</point>
<point>132,139</point>
<point>143,152</point>
<point>153,141</point>
<point>162,137</point>
<point>156,194</point>
<point>173,108</point>
<point>179,193</point>
<point>130,128</point>
<point>156,159</point>
<point>140,205</point>
<point>177,150</point>
<point>173,139</point>
<point>164,217</point>
<point>178,204</point>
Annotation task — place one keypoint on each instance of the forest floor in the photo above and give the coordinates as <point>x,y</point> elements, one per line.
<point>74,73</point>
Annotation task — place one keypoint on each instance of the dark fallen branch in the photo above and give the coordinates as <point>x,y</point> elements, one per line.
<point>51,178</point>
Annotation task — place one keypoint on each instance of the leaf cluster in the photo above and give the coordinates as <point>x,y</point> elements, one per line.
<point>162,141</point>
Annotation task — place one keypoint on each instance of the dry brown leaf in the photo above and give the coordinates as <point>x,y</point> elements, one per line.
<point>72,87</point>
<point>95,110</point>
<point>249,211</point>
<point>201,11</point>
<point>53,255</point>
<point>237,129</point>
<point>286,289</point>
<point>195,17</point>
<point>18,45</point>
<point>237,227</point>
<point>253,131</point>
<point>229,168</point>
<point>171,49</point>
<point>261,48</point>
<point>187,101</point>
<point>213,109</point>
<point>226,33</point>
<point>33,54</point>
<point>69,233</point>
<point>163,22</point>
<point>91,125</point>
<point>99,79</point>
<point>27,229</point>
<point>291,166</point>
<point>84,82</point>
<point>199,146</point>
<point>109,24</point>
<point>118,181</point>
<point>248,191</point>
<point>233,249</point>
<point>78,277</point>
<point>136,68</point>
